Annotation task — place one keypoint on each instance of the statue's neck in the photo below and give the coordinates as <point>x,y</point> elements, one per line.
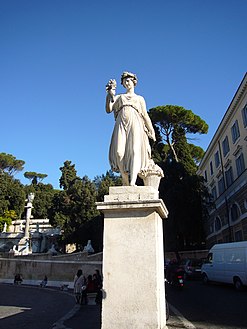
<point>130,93</point>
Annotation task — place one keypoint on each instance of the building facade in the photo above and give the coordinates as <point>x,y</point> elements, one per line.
<point>224,170</point>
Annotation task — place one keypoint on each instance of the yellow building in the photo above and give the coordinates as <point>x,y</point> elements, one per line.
<point>224,170</point>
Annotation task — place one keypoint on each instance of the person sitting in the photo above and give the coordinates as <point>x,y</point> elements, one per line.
<point>44,282</point>
<point>18,279</point>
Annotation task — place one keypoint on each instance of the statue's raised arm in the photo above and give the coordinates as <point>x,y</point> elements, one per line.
<point>130,151</point>
<point>111,92</point>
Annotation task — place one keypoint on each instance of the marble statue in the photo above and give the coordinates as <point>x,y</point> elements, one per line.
<point>89,248</point>
<point>130,151</point>
<point>29,207</point>
<point>52,250</point>
<point>4,228</point>
<point>21,227</point>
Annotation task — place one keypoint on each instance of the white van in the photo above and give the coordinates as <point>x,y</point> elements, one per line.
<point>227,263</point>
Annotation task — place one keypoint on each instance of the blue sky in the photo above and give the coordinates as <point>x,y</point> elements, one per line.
<point>56,57</point>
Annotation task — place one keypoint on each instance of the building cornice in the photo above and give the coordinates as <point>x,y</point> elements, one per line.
<point>226,118</point>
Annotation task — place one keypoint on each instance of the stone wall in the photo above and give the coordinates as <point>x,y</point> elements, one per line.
<point>187,254</point>
<point>60,270</point>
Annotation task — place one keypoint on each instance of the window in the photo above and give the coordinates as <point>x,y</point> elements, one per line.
<point>218,256</point>
<point>221,185</point>
<point>235,256</point>
<point>217,159</point>
<point>244,115</point>
<point>238,237</point>
<point>209,258</point>
<point>205,176</point>
<point>211,168</point>
<point>234,212</point>
<point>211,229</point>
<point>235,131</point>
<point>227,238</point>
<point>229,176</point>
<point>214,193</point>
<point>225,146</point>
<point>240,165</point>
<point>217,224</point>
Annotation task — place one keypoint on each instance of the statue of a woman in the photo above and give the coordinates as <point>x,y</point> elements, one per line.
<point>130,151</point>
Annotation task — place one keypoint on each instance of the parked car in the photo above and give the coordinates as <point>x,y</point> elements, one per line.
<point>192,268</point>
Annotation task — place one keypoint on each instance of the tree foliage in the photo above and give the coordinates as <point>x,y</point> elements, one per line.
<point>75,205</point>
<point>7,218</point>
<point>172,122</point>
<point>43,196</point>
<point>34,177</point>
<point>9,164</point>
<point>12,195</point>
<point>182,190</point>
<point>69,174</point>
<point>103,183</point>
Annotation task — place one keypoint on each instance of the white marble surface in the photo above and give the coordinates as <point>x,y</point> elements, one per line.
<point>130,151</point>
<point>133,262</point>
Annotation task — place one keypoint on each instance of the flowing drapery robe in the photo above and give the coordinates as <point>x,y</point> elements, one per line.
<point>129,142</point>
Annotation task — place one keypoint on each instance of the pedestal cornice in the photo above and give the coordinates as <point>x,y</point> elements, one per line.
<point>132,198</point>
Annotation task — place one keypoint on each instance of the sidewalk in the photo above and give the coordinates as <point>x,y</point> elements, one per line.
<point>89,317</point>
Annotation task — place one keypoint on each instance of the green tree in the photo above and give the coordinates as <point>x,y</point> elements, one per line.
<point>181,189</point>
<point>75,205</point>
<point>9,164</point>
<point>83,205</point>
<point>7,218</point>
<point>185,196</point>
<point>93,230</point>
<point>69,174</point>
<point>12,195</point>
<point>103,183</point>
<point>34,177</point>
<point>173,123</point>
<point>59,215</point>
<point>43,196</point>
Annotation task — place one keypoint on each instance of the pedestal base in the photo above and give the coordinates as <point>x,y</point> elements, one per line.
<point>133,261</point>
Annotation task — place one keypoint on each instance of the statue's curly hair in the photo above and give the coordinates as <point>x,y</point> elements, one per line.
<point>129,75</point>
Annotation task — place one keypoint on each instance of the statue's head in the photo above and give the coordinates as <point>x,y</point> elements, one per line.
<point>30,197</point>
<point>130,75</point>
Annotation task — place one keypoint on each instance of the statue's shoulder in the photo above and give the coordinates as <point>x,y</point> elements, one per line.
<point>118,97</point>
<point>141,98</point>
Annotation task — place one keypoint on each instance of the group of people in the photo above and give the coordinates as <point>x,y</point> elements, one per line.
<point>85,285</point>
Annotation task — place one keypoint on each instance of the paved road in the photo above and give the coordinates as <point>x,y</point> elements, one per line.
<point>214,306</point>
<point>25,307</point>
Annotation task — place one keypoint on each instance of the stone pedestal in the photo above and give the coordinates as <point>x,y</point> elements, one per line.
<point>133,259</point>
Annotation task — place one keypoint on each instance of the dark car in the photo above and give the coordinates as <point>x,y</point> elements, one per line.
<point>192,268</point>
